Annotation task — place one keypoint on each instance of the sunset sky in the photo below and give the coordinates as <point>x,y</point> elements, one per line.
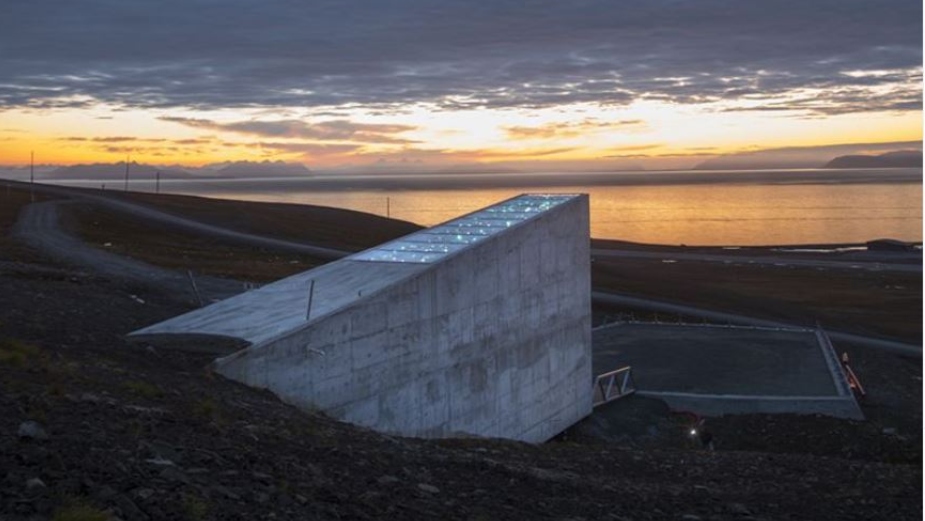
<point>558,84</point>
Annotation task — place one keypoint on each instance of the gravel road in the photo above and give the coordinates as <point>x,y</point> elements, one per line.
<point>183,223</point>
<point>38,226</point>
<point>838,336</point>
<point>767,260</point>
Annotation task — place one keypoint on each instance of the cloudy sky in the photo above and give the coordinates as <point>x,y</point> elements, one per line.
<point>555,84</point>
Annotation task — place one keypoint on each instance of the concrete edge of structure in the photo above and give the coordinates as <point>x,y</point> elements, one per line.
<point>839,378</point>
<point>192,342</point>
<point>719,404</point>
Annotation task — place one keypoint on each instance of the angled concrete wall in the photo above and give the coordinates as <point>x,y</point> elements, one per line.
<point>494,340</point>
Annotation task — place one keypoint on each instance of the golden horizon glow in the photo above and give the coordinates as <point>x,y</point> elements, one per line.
<point>654,133</point>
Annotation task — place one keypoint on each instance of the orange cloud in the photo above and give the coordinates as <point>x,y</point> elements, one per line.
<point>333,130</point>
<point>566,130</point>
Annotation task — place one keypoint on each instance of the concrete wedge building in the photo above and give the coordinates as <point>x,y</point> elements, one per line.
<point>479,326</point>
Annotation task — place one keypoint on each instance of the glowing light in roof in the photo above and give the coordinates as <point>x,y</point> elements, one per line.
<point>435,243</point>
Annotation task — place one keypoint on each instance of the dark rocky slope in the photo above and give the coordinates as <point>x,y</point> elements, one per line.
<point>93,426</point>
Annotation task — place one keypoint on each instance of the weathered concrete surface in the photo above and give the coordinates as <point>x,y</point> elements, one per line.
<point>714,370</point>
<point>262,314</point>
<point>491,340</point>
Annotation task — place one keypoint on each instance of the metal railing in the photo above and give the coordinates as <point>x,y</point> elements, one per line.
<point>608,387</point>
<point>839,376</point>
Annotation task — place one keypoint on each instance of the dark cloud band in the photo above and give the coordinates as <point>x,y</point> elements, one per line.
<point>456,54</point>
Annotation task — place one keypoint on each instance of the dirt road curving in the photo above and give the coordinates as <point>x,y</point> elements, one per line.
<point>769,260</point>
<point>38,226</point>
<point>183,223</point>
<point>601,297</point>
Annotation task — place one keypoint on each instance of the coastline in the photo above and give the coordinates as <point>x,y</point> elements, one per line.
<point>186,204</point>
<point>336,181</point>
<point>764,282</point>
<point>698,215</point>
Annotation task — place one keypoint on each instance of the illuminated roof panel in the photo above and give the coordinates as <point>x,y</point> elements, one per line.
<point>434,243</point>
<point>398,256</point>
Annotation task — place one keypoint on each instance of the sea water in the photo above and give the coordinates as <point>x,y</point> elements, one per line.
<point>811,206</point>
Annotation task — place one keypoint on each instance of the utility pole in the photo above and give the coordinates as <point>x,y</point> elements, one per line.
<point>126,172</point>
<point>157,182</point>
<point>32,175</point>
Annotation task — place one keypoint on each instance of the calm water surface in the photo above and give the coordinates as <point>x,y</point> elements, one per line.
<point>703,208</point>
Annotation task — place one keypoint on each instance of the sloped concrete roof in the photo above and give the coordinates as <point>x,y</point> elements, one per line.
<point>273,310</point>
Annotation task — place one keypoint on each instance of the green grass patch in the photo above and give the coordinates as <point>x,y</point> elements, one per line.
<point>17,353</point>
<point>205,407</point>
<point>208,410</point>
<point>194,507</point>
<point>77,510</point>
<point>145,389</point>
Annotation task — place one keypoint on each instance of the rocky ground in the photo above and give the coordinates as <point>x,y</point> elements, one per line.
<point>94,427</point>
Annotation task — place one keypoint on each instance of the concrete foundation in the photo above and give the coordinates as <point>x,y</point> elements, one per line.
<point>490,339</point>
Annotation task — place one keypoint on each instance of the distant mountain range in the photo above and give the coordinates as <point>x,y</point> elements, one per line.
<point>237,169</point>
<point>856,156</point>
<point>897,159</point>
<point>860,155</point>
<point>113,172</point>
<point>758,161</point>
<point>256,169</point>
